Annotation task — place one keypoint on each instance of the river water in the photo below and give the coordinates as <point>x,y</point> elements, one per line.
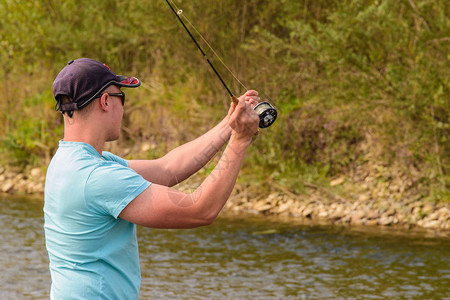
<point>246,257</point>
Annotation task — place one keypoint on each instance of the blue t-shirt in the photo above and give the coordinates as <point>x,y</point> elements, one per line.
<point>93,254</point>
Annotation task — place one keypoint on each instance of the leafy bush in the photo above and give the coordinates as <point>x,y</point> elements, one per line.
<point>354,81</point>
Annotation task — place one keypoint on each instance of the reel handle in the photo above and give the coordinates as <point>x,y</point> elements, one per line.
<point>266,112</point>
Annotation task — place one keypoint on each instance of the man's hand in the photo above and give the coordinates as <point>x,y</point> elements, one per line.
<point>243,120</point>
<point>250,96</point>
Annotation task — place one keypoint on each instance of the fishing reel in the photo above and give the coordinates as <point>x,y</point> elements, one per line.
<point>267,114</point>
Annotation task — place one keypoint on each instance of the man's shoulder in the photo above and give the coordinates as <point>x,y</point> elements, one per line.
<point>108,156</point>
<point>73,157</point>
<point>82,154</point>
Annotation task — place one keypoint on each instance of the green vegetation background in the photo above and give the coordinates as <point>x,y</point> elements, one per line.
<point>362,87</point>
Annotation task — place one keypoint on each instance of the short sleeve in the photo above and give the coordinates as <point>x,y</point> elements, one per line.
<point>112,157</point>
<point>112,186</point>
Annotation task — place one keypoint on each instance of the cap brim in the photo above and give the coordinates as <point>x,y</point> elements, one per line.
<point>126,81</point>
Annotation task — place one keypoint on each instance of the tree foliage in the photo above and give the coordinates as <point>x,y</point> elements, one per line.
<point>355,81</point>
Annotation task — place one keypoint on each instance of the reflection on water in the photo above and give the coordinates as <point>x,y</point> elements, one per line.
<point>245,257</point>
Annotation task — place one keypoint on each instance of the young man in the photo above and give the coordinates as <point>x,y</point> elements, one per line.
<point>94,199</point>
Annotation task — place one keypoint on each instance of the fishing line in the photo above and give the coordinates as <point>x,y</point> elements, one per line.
<point>266,112</point>
<point>180,13</point>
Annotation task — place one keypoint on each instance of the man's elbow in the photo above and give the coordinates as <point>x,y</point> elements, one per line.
<point>208,220</point>
<point>207,217</point>
<point>171,177</point>
<point>203,220</point>
<point>172,181</point>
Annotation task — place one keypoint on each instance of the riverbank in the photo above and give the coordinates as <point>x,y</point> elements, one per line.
<point>317,205</point>
<point>318,208</point>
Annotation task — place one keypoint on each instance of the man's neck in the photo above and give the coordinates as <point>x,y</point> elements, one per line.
<point>85,136</point>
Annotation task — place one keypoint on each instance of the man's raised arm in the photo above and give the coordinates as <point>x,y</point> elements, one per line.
<point>163,207</point>
<point>187,159</point>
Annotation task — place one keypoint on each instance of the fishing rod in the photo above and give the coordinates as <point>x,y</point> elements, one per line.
<point>266,112</point>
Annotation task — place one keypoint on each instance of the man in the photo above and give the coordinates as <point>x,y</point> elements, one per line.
<point>94,199</point>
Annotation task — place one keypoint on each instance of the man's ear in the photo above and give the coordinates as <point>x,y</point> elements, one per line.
<point>104,102</point>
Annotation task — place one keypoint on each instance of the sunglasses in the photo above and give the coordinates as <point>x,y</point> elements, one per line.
<point>121,95</point>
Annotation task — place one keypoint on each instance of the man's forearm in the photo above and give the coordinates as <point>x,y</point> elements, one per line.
<point>187,159</point>
<point>212,194</point>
